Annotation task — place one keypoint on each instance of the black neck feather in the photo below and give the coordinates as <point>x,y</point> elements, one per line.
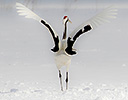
<point>65,30</point>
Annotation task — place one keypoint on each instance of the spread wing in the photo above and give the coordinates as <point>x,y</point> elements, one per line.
<point>88,25</point>
<point>24,11</point>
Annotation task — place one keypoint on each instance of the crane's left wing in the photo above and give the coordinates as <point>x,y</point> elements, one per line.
<point>88,25</point>
<point>22,10</point>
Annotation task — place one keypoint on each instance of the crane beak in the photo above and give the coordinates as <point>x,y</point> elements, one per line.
<point>70,21</point>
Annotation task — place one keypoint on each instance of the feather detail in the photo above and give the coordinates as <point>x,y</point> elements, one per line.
<point>100,18</point>
<point>24,11</point>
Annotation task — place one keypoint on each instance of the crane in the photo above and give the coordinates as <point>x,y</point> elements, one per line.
<point>63,48</point>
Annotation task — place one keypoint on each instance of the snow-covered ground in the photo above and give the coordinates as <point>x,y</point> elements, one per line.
<point>49,91</point>
<point>27,69</point>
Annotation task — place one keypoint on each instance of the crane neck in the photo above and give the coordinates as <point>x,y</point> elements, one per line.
<point>65,31</point>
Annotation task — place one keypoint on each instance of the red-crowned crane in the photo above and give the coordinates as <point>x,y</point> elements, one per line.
<point>63,48</point>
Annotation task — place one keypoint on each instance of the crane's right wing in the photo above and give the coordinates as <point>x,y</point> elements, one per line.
<point>88,25</point>
<point>24,11</point>
<point>100,18</point>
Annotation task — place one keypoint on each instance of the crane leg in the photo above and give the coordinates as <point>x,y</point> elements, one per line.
<point>66,80</point>
<point>60,76</point>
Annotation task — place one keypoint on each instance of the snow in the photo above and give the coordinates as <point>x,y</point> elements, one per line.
<point>47,91</point>
<point>27,69</point>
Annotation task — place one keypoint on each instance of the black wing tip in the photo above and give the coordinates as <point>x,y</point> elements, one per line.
<point>56,39</point>
<point>42,21</point>
<point>87,28</point>
<point>70,51</point>
<point>55,49</point>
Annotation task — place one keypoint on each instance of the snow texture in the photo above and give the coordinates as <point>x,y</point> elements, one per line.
<point>84,91</point>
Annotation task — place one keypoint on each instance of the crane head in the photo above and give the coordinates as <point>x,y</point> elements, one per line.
<point>66,19</point>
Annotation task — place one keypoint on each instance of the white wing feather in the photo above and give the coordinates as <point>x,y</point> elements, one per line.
<point>24,11</point>
<point>98,19</point>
